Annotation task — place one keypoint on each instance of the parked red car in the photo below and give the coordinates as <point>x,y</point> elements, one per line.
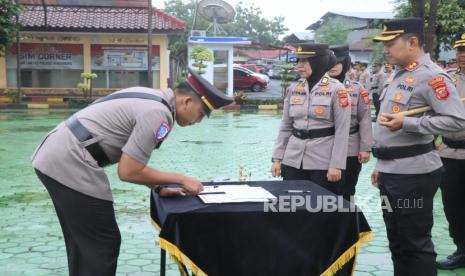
<point>254,68</point>
<point>244,79</point>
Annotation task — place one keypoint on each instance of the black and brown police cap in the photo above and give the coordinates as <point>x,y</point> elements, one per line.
<point>340,51</point>
<point>397,27</point>
<point>459,40</point>
<point>211,97</point>
<point>309,50</point>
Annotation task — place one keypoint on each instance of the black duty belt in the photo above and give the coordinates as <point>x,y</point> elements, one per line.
<point>83,134</point>
<point>374,87</point>
<point>453,143</point>
<point>354,129</point>
<point>313,133</point>
<point>389,153</point>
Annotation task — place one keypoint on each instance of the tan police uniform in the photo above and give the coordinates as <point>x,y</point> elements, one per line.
<point>133,126</point>
<point>364,78</point>
<point>325,106</point>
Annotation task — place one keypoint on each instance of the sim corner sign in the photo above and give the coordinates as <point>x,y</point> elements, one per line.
<point>219,40</point>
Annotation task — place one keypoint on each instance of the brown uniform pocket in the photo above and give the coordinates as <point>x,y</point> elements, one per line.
<point>320,108</point>
<point>297,107</point>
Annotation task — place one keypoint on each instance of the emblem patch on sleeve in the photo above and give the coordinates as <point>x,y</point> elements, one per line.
<point>163,131</point>
<point>343,98</point>
<point>440,88</point>
<point>365,96</point>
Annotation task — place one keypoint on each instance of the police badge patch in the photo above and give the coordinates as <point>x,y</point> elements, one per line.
<point>163,131</point>
<point>440,88</point>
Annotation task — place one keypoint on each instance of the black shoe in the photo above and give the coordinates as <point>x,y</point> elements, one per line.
<point>456,260</point>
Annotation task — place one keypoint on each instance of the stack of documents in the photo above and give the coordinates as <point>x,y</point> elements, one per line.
<point>234,194</point>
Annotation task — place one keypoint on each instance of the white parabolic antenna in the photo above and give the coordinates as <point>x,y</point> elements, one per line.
<point>217,12</point>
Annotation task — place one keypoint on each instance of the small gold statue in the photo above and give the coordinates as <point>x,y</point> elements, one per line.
<point>243,175</point>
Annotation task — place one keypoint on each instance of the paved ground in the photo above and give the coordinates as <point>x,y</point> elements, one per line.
<point>30,237</point>
<point>273,91</point>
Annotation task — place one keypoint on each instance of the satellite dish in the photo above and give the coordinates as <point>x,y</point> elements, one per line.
<point>217,12</point>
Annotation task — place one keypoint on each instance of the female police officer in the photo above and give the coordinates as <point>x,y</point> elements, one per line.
<point>314,132</point>
<point>124,128</point>
<point>361,136</point>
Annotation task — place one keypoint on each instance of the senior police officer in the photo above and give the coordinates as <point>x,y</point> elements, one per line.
<point>314,132</point>
<point>408,169</point>
<point>452,152</point>
<point>376,85</point>
<point>124,128</point>
<point>361,136</point>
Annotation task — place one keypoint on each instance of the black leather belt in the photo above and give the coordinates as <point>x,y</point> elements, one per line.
<point>313,133</point>
<point>82,134</point>
<point>389,153</point>
<point>453,143</point>
<point>374,87</point>
<point>354,129</point>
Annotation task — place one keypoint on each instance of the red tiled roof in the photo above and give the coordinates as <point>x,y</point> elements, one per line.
<point>98,19</point>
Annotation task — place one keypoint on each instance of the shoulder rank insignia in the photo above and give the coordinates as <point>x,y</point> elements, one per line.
<point>163,131</point>
<point>324,81</point>
<point>412,66</point>
<point>440,88</point>
<point>365,96</point>
<point>325,89</point>
<point>343,98</point>
<point>410,80</point>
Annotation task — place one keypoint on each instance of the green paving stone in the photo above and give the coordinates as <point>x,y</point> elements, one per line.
<point>37,272</point>
<point>138,262</point>
<point>151,268</point>
<point>361,273</point>
<point>366,268</point>
<point>15,250</point>
<point>126,256</point>
<point>44,248</point>
<point>58,253</point>
<point>376,249</point>
<point>128,269</point>
<point>5,256</point>
<point>448,273</point>
<point>383,273</point>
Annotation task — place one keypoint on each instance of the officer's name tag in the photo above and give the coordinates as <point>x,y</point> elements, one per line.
<point>297,100</point>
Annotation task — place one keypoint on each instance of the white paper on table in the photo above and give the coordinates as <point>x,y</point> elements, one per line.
<point>235,194</point>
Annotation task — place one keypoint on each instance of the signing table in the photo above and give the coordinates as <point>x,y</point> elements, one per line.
<point>249,239</point>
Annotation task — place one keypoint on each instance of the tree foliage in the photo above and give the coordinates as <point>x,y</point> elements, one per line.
<point>332,32</point>
<point>200,54</point>
<point>249,22</point>
<point>8,25</point>
<point>449,22</point>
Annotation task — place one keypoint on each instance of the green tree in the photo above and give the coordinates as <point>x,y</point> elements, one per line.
<point>332,32</point>
<point>442,23</point>
<point>286,77</point>
<point>8,25</point>
<point>249,22</point>
<point>200,54</point>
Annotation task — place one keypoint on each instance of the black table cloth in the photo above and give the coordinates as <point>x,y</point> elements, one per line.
<point>242,239</point>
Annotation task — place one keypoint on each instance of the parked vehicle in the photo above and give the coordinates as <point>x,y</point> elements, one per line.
<point>263,76</point>
<point>275,73</point>
<point>255,68</point>
<point>245,79</point>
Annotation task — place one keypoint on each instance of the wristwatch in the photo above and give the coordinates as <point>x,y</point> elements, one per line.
<point>275,160</point>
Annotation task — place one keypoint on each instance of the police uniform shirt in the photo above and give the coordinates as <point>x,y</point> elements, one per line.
<point>420,84</point>
<point>376,83</point>
<point>361,141</point>
<point>364,79</point>
<point>459,80</point>
<point>327,105</point>
<point>133,126</point>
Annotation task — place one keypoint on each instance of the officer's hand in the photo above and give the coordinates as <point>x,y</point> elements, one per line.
<point>276,169</point>
<point>334,175</point>
<point>363,157</point>
<point>172,192</point>
<point>392,121</point>
<point>374,178</point>
<point>191,185</point>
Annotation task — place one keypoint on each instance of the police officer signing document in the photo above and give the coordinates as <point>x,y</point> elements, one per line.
<point>124,128</point>
<point>408,169</point>
<point>314,132</point>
